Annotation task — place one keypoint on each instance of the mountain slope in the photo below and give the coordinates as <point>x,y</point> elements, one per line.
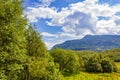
<point>92,42</point>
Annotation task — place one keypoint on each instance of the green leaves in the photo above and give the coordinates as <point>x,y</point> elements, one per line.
<point>35,46</point>
<point>99,63</point>
<point>93,64</point>
<point>38,67</point>
<point>40,64</point>
<point>12,39</point>
<point>67,60</point>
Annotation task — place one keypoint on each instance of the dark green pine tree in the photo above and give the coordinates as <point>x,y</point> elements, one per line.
<point>12,40</point>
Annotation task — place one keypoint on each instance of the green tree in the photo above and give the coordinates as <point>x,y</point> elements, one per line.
<point>100,63</point>
<point>93,64</point>
<point>42,69</point>
<point>68,61</point>
<point>40,64</point>
<point>108,65</point>
<point>12,40</point>
<point>35,46</point>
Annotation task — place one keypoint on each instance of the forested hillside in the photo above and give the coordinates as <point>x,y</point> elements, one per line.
<point>92,42</point>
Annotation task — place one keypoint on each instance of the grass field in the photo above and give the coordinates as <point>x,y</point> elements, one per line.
<point>95,76</point>
<point>118,66</point>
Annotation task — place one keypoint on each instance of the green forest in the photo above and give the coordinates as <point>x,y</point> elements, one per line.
<point>24,56</point>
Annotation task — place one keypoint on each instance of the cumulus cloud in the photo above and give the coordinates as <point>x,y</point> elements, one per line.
<point>34,14</point>
<point>78,19</point>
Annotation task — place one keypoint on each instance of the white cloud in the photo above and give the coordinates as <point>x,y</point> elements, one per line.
<point>90,2</point>
<point>49,45</point>
<point>78,19</point>
<point>34,14</point>
<point>45,34</point>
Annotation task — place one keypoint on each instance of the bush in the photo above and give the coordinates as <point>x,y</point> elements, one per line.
<point>68,61</point>
<point>98,63</point>
<point>42,69</point>
<point>93,65</point>
<point>108,65</point>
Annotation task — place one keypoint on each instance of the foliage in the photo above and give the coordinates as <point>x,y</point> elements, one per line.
<point>108,65</point>
<point>35,46</point>
<point>42,69</point>
<point>113,54</point>
<point>93,64</point>
<point>40,64</point>
<point>12,40</point>
<point>68,61</point>
<point>84,57</point>
<point>99,63</point>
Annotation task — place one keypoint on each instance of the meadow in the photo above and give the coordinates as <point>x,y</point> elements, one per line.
<point>96,76</point>
<point>118,66</point>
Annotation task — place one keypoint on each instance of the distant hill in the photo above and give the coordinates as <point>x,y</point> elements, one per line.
<point>92,42</point>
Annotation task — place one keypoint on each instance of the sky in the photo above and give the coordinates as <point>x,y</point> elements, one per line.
<point>61,20</point>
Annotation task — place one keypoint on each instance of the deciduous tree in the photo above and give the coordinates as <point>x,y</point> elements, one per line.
<point>12,39</point>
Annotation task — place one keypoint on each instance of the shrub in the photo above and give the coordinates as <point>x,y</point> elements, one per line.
<point>68,61</point>
<point>93,65</point>
<point>108,65</point>
<point>98,63</point>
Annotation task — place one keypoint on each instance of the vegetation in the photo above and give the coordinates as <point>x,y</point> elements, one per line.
<point>94,76</point>
<point>12,40</point>
<point>23,55</point>
<point>40,64</point>
<point>98,63</point>
<point>67,60</point>
<point>114,54</point>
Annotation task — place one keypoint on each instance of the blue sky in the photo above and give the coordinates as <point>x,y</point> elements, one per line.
<point>61,20</point>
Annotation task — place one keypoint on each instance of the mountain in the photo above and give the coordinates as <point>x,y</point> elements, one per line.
<point>92,42</point>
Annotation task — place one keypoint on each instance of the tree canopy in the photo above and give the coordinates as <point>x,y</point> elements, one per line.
<point>68,61</point>
<point>12,39</point>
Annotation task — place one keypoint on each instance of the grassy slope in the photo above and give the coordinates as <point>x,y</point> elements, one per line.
<point>95,76</point>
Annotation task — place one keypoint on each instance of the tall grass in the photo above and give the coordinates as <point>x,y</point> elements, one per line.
<point>95,76</point>
<point>118,66</point>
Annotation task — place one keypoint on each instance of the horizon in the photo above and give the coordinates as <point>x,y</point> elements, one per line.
<point>84,37</point>
<point>62,20</point>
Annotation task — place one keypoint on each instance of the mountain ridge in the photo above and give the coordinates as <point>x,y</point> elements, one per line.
<point>92,42</point>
